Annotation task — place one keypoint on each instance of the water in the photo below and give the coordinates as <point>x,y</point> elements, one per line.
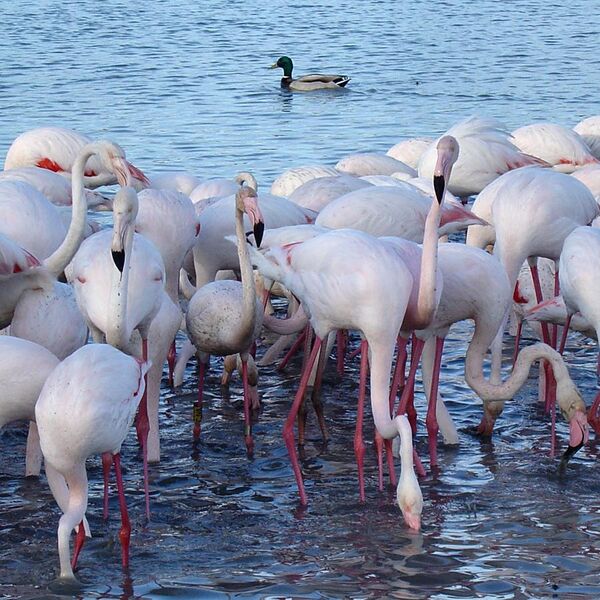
<point>184,85</point>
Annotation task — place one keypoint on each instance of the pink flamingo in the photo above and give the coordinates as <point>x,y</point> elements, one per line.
<point>86,407</point>
<point>56,148</point>
<point>348,279</point>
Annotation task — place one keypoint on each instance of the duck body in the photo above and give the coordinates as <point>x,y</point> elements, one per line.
<point>310,82</point>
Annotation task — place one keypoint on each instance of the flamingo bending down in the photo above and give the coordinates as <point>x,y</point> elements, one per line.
<point>56,148</point>
<point>225,317</point>
<point>293,178</point>
<point>372,163</point>
<point>86,407</point>
<point>119,280</point>
<point>579,276</point>
<point>589,130</point>
<point>349,280</point>
<point>410,151</point>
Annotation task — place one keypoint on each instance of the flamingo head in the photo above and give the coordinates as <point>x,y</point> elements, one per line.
<point>113,159</point>
<point>410,501</point>
<point>447,155</point>
<point>573,410</point>
<point>246,200</point>
<point>125,209</point>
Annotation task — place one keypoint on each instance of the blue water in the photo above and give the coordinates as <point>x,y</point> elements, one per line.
<point>184,86</point>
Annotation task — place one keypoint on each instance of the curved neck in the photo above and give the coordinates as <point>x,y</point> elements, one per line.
<point>247,275</point>
<point>380,364</point>
<point>297,322</point>
<point>63,255</point>
<point>426,300</point>
<point>117,334</point>
<point>506,390</point>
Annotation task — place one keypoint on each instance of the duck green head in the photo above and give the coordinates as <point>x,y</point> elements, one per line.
<point>285,63</point>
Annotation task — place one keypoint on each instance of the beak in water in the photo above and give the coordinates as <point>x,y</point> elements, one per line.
<point>578,436</point>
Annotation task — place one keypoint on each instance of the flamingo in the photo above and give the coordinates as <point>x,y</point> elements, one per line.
<point>293,178</point>
<point>86,407</point>
<point>316,193</point>
<point>50,316</point>
<point>589,130</point>
<point>209,189</point>
<point>372,163</point>
<point>579,276</point>
<point>175,181</point>
<point>399,211</point>
<point>119,280</point>
<point>225,317</point>
<point>212,252</point>
<point>56,148</point>
<point>21,388</point>
<point>410,151</point>
<point>559,146</point>
<point>55,188</point>
<point>486,151</point>
<point>590,176</point>
<point>348,279</point>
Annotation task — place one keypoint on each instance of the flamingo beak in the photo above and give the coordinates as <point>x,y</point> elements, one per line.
<point>413,521</point>
<point>137,174</point>
<point>121,170</point>
<point>259,229</point>
<point>258,223</point>
<point>578,437</point>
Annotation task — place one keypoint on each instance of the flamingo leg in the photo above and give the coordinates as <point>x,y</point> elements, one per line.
<point>142,426</point>
<point>106,464</point>
<point>593,419</point>
<point>399,370</point>
<point>359,445</point>
<point>431,420</point>
<point>247,421</point>
<point>517,341</point>
<point>565,332</point>
<point>197,411</point>
<point>406,405</point>
<point>316,393</point>
<point>288,428</point>
<point>341,341</point>
<point>79,541</point>
<point>125,531</point>
<point>290,353</point>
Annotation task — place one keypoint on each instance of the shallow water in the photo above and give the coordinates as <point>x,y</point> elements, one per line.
<point>184,86</point>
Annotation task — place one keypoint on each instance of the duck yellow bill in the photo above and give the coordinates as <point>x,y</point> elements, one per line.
<point>273,66</point>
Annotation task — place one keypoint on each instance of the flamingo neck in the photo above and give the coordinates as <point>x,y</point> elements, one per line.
<point>380,364</point>
<point>247,275</point>
<point>63,255</point>
<point>426,300</point>
<point>118,334</point>
<point>293,324</point>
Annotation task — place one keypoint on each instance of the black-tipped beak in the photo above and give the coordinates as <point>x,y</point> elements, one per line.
<point>567,456</point>
<point>439,186</point>
<point>259,229</point>
<point>118,257</point>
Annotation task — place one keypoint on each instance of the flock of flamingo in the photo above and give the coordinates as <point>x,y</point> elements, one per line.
<point>356,247</point>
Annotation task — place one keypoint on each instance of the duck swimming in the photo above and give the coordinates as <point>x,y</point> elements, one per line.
<point>307,83</point>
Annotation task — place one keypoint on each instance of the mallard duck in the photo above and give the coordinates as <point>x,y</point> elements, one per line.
<point>307,83</point>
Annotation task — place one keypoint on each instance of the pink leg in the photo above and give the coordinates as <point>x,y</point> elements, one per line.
<point>288,428</point>
<point>399,370</point>
<point>354,353</point>
<point>171,359</point>
<point>431,420</point>
<point>106,464</point>
<point>593,419</point>
<point>390,461</point>
<point>406,405</point>
<point>341,350</point>
<point>79,541</point>
<point>517,341</point>
<point>316,393</point>
<point>142,426</point>
<point>359,445</point>
<point>125,531</point>
<point>247,422</point>
<point>563,339</point>
<point>290,353</point>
